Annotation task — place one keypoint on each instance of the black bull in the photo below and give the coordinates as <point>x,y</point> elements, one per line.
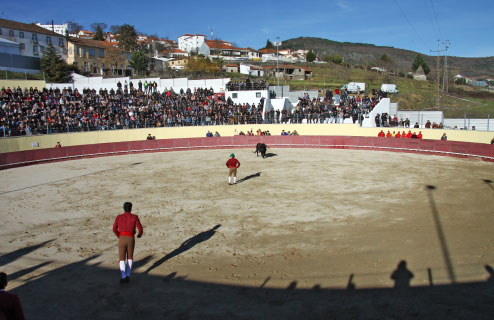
<point>261,147</point>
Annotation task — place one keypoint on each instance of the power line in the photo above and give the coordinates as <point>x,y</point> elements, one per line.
<point>433,23</point>
<point>408,21</point>
<point>435,17</point>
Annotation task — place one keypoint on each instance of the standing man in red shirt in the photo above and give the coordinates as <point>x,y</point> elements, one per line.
<point>10,305</point>
<point>232,165</point>
<point>125,229</point>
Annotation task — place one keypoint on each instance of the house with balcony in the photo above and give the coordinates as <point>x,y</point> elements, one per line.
<point>32,41</point>
<point>98,57</point>
<point>178,63</point>
<point>224,50</point>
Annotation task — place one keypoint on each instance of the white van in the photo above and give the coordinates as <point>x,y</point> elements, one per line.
<point>353,87</point>
<point>389,88</point>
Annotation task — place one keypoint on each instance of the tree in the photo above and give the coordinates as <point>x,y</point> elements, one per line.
<point>114,29</point>
<point>269,45</point>
<point>113,59</point>
<point>139,61</point>
<point>56,70</point>
<point>74,27</point>
<point>127,37</point>
<point>386,59</point>
<point>98,35</point>
<point>311,56</point>
<point>96,25</point>
<point>420,61</point>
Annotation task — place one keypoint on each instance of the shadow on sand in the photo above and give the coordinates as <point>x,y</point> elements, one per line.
<point>85,290</point>
<point>186,245</point>
<point>255,175</point>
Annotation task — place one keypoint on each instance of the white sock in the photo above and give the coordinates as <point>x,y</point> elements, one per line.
<point>229,179</point>
<point>121,263</point>
<point>129,266</point>
<point>234,179</point>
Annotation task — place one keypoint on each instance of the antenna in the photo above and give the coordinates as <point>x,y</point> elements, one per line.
<point>211,31</point>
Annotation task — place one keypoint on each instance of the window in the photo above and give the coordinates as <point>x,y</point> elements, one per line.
<point>86,66</point>
<point>258,94</point>
<point>91,52</point>
<point>78,51</point>
<point>21,34</point>
<point>42,49</point>
<point>84,50</point>
<point>35,50</point>
<point>48,39</point>
<point>234,95</point>
<point>60,42</point>
<point>101,53</point>
<point>23,46</point>
<point>35,38</point>
<point>0,31</point>
<point>11,33</point>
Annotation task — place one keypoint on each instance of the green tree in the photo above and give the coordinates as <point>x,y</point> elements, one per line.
<point>311,56</point>
<point>56,70</point>
<point>386,59</point>
<point>139,61</point>
<point>127,37</point>
<point>420,61</point>
<point>98,35</point>
<point>337,59</point>
<point>269,45</point>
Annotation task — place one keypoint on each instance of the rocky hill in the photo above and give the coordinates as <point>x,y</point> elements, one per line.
<point>400,59</point>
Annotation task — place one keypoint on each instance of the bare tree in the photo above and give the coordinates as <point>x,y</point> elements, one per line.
<point>102,25</point>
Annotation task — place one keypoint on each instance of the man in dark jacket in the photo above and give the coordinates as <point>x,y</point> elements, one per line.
<point>10,305</point>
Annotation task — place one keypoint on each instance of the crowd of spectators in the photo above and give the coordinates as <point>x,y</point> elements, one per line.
<point>402,135</point>
<point>246,85</point>
<point>33,111</point>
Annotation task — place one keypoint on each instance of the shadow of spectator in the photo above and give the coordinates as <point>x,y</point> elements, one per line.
<point>402,276</point>
<point>350,285</point>
<point>186,245</point>
<point>20,273</point>
<point>14,255</point>
<point>249,177</point>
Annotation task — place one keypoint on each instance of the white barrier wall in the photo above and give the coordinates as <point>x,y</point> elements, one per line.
<point>249,97</point>
<point>381,107</point>
<point>97,83</point>
<point>480,124</point>
<point>421,117</point>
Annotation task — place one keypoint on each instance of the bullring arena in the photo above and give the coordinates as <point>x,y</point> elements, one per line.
<point>316,230</point>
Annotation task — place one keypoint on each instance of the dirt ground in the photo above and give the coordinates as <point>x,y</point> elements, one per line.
<point>301,229</point>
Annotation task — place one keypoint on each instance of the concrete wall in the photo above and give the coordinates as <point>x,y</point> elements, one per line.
<point>40,84</point>
<point>97,137</point>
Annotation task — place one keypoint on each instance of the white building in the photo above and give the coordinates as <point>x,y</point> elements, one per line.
<point>251,70</point>
<point>32,39</point>
<point>191,42</point>
<point>61,29</point>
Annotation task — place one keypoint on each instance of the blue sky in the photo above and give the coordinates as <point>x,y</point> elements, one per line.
<point>407,24</point>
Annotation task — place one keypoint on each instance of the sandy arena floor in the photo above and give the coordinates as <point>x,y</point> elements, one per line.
<point>299,219</point>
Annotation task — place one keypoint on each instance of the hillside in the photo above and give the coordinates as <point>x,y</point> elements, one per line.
<point>369,55</point>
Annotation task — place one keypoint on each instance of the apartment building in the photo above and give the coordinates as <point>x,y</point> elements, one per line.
<point>98,57</point>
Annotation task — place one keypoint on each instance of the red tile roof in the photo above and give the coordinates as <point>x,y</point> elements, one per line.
<point>267,51</point>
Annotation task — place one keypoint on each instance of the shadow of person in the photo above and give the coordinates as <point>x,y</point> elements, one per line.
<point>186,245</point>
<point>14,255</point>
<point>249,177</point>
<point>489,269</point>
<point>402,276</point>
<point>489,183</point>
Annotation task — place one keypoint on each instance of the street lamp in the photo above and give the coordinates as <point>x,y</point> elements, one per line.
<point>277,44</point>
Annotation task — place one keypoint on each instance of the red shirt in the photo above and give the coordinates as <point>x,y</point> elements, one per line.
<point>398,135</point>
<point>233,163</point>
<point>127,222</point>
<point>388,135</point>
<point>419,136</point>
<point>381,134</point>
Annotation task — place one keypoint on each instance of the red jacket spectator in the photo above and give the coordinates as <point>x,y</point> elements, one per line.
<point>419,136</point>
<point>409,135</point>
<point>403,134</point>
<point>381,134</point>
<point>388,135</point>
<point>398,135</point>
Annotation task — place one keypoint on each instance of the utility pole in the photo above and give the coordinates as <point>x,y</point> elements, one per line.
<point>438,73</point>
<point>446,74</point>
<point>277,44</point>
